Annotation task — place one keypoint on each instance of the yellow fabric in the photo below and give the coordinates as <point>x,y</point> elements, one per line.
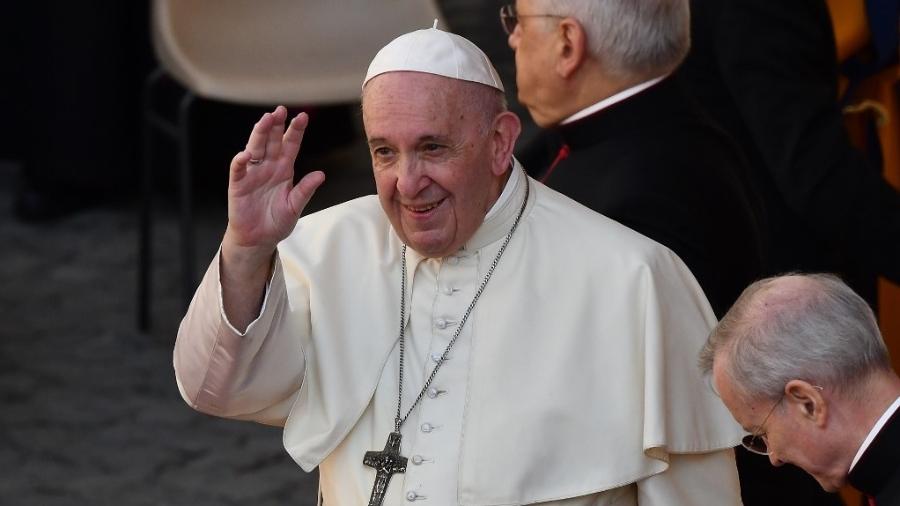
<point>851,26</point>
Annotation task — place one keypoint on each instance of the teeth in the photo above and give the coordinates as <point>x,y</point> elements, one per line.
<point>423,209</point>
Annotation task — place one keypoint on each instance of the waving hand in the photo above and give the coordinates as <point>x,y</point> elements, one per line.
<point>263,202</point>
<point>263,208</point>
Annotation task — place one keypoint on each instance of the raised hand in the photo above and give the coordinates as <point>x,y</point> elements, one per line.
<point>263,202</point>
<point>263,208</point>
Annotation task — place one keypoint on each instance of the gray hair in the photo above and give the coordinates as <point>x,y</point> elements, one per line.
<point>632,38</point>
<point>811,327</point>
<point>489,101</point>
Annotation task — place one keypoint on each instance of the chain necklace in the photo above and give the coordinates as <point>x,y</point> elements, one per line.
<point>389,461</point>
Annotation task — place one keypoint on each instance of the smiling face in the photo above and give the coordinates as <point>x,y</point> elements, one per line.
<point>794,431</point>
<point>437,163</point>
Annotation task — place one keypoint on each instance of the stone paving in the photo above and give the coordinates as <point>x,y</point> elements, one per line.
<point>89,410</point>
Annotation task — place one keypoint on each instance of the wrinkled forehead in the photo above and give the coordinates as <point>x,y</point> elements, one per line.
<point>724,386</point>
<point>743,406</point>
<point>407,99</point>
<point>411,85</point>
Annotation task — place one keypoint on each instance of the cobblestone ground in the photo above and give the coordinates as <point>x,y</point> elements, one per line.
<point>89,410</point>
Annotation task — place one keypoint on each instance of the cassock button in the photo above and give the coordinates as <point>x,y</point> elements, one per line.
<point>434,392</point>
<point>427,427</point>
<point>452,260</point>
<point>417,460</point>
<point>411,496</point>
<point>441,323</point>
<point>448,290</point>
<point>436,357</point>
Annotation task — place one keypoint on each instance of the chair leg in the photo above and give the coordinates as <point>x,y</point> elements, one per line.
<point>188,275</point>
<point>145,215</point>
<point>145,244</point>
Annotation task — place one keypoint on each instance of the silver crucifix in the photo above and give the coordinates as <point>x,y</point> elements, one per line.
<point>386,463</point>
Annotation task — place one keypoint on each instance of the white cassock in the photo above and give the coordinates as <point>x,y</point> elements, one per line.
<point>574,381</point>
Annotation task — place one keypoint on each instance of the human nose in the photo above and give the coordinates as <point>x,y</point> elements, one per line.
<point>411,178</point>
<point>513,39</point>
<point>773,458</point>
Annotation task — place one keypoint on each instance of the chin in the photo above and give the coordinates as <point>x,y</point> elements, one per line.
<point>430,249</point>
<point>828,487</point>
<point>830,484</point>
<point>429,253</point>
<point>540,119</point>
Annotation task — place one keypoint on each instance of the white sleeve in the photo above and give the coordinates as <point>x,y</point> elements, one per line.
<point>251,376</point>
<point>693,480</point>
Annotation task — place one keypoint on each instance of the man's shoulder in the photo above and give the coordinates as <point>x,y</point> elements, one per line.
<point>359,211</point>
<point>357,220</point>
<point>569,222</point>
<point>586,245</point>
<point>671,141</point>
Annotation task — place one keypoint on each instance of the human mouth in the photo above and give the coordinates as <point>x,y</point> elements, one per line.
<point>422,209</point>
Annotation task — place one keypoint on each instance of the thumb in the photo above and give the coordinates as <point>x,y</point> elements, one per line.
<point>304,190</point>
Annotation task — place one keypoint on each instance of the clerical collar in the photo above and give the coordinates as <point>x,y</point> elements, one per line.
<point>875,430</point>
<point>497,220</point>
<point>501,215</point>
<point>608,101</point>
<point>505,194</point>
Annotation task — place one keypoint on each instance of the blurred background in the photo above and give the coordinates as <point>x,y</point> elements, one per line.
<point>119,120</point>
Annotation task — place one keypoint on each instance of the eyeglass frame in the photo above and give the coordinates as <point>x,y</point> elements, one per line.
<point>509,18</point>
<point>749,440</point>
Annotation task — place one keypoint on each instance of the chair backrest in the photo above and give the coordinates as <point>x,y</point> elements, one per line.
<point>279,51</point>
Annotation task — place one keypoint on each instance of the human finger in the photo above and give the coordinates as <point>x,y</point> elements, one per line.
<point>273,140</point>
<point>239,165</point>
<point>304,190</point>
<point>256,144</point>
<point>293,137</point>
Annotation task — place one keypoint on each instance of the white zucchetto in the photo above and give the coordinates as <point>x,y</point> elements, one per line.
<point>434,51</point>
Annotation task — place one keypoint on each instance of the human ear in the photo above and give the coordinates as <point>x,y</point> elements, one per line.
<point>506,129</point>
<point>571,47</point>
<point>807,401</point>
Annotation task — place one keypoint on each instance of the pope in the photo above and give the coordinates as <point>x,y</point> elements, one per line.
<point>467,336</point>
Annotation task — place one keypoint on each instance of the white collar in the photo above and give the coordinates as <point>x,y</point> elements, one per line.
<point>497,221</point>
<point>875,430</point>
<point>507,190</point>
<point>608,101</point>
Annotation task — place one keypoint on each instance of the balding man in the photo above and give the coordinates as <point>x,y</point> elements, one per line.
<point>800,363</point>
<point>634,146</point>
<point>396,337</point>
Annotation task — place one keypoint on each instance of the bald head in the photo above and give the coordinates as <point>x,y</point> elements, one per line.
<point>811,327</point>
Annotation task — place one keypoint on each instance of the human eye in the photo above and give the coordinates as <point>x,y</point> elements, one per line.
<point>432,148</point>
<point>381,152</point>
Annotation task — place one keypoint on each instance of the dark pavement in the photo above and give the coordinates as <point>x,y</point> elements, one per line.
<point>89,410</point>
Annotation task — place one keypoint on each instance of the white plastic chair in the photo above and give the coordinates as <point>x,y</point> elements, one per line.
<point>255,52</point>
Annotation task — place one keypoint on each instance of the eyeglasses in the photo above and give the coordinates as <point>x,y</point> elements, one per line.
<point>758,442</point>
<point>509,18</point>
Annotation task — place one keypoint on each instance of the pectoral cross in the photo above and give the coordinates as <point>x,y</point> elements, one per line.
<point>387,463</point>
